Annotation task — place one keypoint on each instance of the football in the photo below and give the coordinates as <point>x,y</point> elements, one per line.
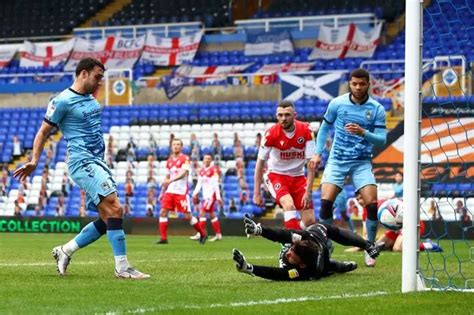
<point>390,214</point>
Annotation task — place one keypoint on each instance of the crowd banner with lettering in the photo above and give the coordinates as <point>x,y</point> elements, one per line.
<point>41,55</point>
<point>163,51</point>
<point>268,44</point>
<point>345,41</point>
<point>363,44</point>
<point>115,52</point>
<point>6,55</point>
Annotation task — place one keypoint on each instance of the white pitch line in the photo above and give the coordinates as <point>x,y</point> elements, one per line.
<point>249,303</point>
<point>41,264</point>
<point>82,263</point>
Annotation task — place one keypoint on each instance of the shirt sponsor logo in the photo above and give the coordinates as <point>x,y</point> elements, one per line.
<point>50,110</point>
<point>294,155</point>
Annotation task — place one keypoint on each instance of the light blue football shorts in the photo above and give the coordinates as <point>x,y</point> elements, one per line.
<point>96,180</point>
<point>360,173</point>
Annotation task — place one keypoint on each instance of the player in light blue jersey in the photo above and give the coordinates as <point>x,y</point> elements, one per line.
<point>78,115</point>
<point>359,123</point>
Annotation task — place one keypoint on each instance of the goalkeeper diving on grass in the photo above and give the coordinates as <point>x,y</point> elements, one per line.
<point>305,254</point>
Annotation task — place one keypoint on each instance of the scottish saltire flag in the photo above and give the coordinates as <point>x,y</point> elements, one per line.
<point>322,86</point>
<point>268,43</point>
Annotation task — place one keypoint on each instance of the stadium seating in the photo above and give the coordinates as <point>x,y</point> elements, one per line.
<point>387,10</point>
<point>23,18</point>
<point>212,13</point>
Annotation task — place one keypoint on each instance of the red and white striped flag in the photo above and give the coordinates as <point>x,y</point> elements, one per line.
<point>44,55</point>
<point>163,51</point>
<point>286,67</point>
<point>114,52</point>
<point>211,73</point>
<point>6,55</point>
<point>345,42</point>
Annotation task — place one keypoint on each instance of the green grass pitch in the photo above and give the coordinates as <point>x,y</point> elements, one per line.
<point>191,278</point>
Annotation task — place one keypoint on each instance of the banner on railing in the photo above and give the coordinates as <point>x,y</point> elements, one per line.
<point>6,55</point>
<point>323,86</point>
<point>114,52</point>
<point>268,43</point>
<point>40,55</point>
<point>345,41</point>
<point>203,71</point>
<point>163,51</point>
<point>286,67</point>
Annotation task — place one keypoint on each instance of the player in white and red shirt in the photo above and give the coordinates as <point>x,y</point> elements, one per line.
<point>286,147</point>
<point>174,192</point>
<point>208,182</point>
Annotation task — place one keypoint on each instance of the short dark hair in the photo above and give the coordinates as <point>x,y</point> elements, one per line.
<point>88,64</point>
<point>307,251</point>
<point>360,74</point>
<point>285,104</point>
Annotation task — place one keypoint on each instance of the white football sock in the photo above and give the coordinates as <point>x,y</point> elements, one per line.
<point>121,263</point>
<point>70,247</point>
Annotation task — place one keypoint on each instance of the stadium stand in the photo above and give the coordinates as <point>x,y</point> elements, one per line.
<point>159,120</point>
<point>212,13</point>
<point>25,18</point>
<point>387,10</point>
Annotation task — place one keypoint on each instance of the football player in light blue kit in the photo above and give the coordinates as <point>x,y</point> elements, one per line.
<point>78,115</point>
<point>359,123</point>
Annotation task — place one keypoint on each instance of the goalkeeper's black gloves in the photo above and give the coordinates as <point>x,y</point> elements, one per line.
<point>241,263</point>
<point>251,228</point>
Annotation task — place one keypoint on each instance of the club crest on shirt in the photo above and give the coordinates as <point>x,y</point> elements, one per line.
<point>105,186</point>
<point>368,115</point>
<point>277,186</point>
<point>300,140</point>
<point>282,142</point>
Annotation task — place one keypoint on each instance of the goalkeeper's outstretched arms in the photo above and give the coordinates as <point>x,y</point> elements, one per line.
<point>273,234</point>
<point>270,273</point>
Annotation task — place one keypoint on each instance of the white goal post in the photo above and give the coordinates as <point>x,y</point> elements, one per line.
<point>411,147</point>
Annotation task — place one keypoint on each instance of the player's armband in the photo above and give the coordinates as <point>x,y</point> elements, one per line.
<point>293,273</point>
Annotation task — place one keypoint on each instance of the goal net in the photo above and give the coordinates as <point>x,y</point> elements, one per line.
<point>446,147</point>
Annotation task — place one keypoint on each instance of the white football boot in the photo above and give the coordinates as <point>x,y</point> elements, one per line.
<point>195,237</point>
<point>62,260</point>
<point>131,273</point>
<point>218,237</point>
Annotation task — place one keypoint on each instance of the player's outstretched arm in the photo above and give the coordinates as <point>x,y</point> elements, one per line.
<point>273,234</point>
<point>38,146</point>
<point>241,263</point>
<point>271,273</point>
